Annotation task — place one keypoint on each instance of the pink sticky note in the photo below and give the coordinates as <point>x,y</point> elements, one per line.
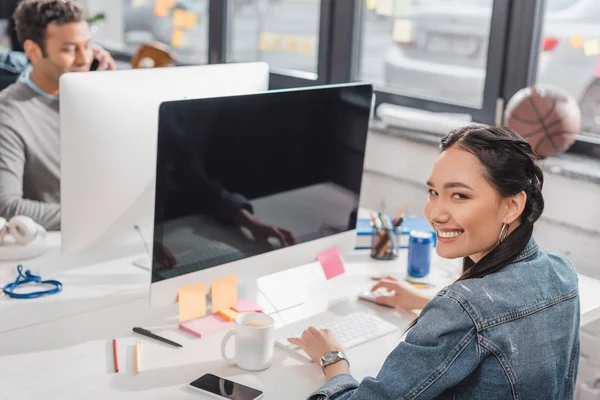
<point>331,262</point>
<point>247,305</point>
<point>597,70</point>
<point>205,326</point>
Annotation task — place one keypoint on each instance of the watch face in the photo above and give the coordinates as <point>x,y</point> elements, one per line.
<point>330,357</point>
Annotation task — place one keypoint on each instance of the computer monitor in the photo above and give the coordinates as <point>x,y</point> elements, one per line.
<point>232,169</point>
<point>109,122</point>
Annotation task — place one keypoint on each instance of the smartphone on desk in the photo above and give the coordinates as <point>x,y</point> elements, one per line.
<point>221,388</point>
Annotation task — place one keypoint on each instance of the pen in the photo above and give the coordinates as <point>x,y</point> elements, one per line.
<point>138,349</point>
<point>415,284</point>
<point>392,234</point>
<point>149,334</point>
<point>398,220</point>
<point>115,355</point>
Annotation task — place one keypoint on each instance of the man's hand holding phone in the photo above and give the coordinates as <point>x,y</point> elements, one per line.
<point>103,61</point>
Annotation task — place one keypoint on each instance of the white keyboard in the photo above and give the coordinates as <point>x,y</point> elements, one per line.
<point>351,330</point>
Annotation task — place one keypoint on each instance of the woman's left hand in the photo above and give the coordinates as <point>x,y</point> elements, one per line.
<point>316,342</point>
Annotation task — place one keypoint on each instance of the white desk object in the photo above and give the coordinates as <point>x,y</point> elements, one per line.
<point>71,357</point>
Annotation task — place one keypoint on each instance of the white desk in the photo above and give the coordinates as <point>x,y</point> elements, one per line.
<point>87,285</point>
<point>71,357</point>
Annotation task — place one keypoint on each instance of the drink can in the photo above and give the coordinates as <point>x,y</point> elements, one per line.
<point>419,253</point>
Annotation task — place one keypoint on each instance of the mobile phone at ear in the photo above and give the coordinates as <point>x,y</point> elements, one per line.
<point>95,65</point>
<point>222,388</point>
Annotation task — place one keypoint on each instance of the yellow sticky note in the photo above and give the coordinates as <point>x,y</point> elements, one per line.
<point>229,314</point>
<point>224,293</point>
<point>591,47</point>
<point>192,302</point>
<point>576,41</point>
<point>162,7</point>
<point>138,3</point>
<point>264,41</point>
<point>371,4</point>
<point>402,31</point>
<point>291,44</point>
<point>177,38</point>
<point>183,19</point>
<point>276,41</point>
<point>385,7</point>
<point>306,47</point>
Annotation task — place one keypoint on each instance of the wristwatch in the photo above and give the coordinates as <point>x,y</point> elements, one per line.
<point>332,357</point>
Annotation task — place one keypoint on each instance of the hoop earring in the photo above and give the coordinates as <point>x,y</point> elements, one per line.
<point>503,233</point>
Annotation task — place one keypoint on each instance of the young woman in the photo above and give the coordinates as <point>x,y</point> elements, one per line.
<point>508,328</point>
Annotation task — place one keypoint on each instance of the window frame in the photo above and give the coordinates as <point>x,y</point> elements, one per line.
<point>494,68</point>
<point>220,23</point>
<point>512,60</point>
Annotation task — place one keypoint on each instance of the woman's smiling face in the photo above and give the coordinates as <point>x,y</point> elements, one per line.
<point>465,210</point>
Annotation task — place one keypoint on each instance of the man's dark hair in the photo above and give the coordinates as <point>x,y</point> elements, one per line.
<point>32,18</point>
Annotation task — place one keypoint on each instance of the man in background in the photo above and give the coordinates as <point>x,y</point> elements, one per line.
<point>56,38</point>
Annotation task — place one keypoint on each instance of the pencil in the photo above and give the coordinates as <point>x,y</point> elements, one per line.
<point>138,350</point>
<point>115,355</point>
<point>400,214</point>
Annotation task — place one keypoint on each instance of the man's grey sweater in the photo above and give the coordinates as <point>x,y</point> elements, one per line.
<point>29,155</point>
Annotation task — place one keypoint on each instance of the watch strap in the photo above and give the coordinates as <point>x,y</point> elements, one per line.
<point>339,356</point>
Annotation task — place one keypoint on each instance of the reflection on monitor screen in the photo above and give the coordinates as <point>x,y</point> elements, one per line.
<point>240,176</point>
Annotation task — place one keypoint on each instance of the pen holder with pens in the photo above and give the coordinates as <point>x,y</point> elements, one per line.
<point>384,244</point>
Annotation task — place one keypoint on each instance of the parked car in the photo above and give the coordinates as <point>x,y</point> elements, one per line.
<point>447,56</point>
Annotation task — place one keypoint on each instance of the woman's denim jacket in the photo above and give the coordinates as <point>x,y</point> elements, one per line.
<point>513,334</point>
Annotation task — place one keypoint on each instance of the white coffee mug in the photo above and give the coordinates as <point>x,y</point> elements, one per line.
<point>254,340</point>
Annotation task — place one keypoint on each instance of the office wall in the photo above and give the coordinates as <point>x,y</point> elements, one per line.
<point>396,170</point>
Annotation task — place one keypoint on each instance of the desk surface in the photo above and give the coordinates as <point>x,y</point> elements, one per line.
<point>70,356</point>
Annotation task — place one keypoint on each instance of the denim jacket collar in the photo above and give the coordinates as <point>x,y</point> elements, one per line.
<point>529,252</point>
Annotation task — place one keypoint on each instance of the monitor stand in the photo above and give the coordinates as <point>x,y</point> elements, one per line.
<point>143,262</point>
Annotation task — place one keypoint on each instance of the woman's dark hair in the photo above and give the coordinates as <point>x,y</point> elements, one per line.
<point>510,167</point>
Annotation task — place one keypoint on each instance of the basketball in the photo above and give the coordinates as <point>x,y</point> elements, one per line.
<point>547,117</point>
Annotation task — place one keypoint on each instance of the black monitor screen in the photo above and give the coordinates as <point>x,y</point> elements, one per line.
<point>243,175</point>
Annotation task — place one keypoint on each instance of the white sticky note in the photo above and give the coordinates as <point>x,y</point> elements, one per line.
<point>385,8</point>
<point>139,3</point>
<point>591,47</point>
<point>402,31</point>
<point>402,8</point>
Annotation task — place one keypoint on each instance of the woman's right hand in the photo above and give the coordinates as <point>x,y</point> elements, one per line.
<point>403,294</point>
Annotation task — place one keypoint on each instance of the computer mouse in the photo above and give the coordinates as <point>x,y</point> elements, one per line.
<point>370,296</point>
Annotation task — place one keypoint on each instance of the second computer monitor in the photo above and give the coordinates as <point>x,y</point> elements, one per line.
<point>257,183</point>
<point>109,122</point>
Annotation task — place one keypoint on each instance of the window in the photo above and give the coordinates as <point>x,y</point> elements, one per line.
<point>4,39</point>
<point>283,33</point>
<point>433,49</point>
<point>570,56</point>
<point>181,24</point>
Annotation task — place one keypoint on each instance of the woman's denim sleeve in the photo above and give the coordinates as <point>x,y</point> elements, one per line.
<point>438,353</point>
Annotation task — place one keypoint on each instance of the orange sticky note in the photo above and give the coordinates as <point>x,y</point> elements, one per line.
<point>224,293</point>
<point>183,19</point>
<point>162,7</point>
<point>177,38</point>
<point>192,302</point>
<point>306,47</point>
<point>264,41</point>
<point>576,41</point>
<point>229,314</point>
<point>291,44</point>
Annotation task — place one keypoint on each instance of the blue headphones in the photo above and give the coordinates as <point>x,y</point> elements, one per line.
<point>28,277</point>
